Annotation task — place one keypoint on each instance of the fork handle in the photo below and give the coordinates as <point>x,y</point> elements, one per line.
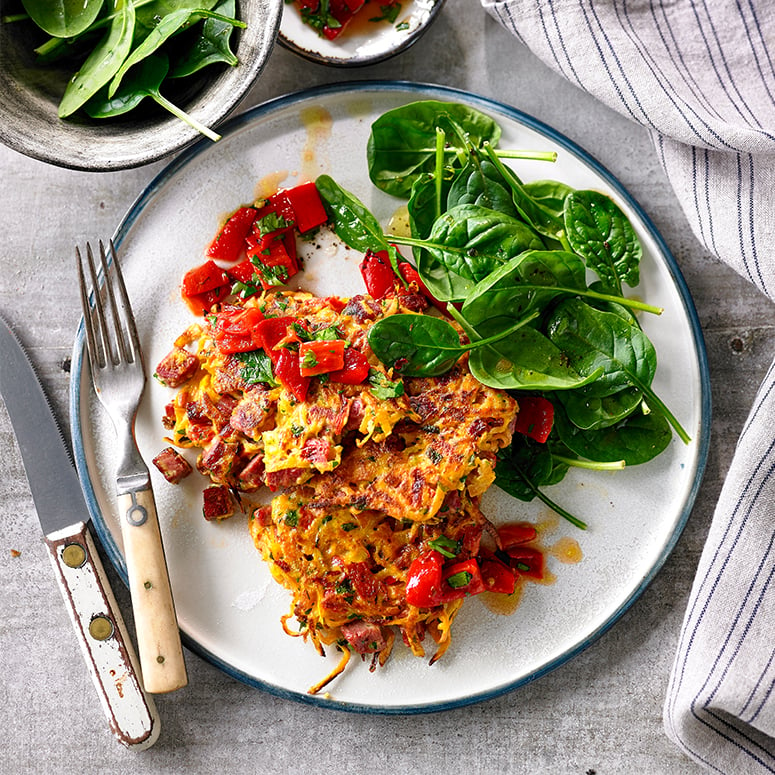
<point>156,625</point>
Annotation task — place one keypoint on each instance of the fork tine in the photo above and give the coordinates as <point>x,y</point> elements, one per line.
<point>91,345</point>
<point>122,351</point>
<point>104,350</point>
<point>133,348</point>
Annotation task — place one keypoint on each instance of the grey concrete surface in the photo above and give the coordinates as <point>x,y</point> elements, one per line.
<point>600,713</point>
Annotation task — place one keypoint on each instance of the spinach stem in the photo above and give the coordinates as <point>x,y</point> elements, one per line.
<point>549,156</point>
<point>478,341</point>
<point>613,465</point>
<point>439,172</point>
<point>549,502</point>
<point>669,416</point>
<point>528,155</point>
<point>624,301</point>
<point>183,116</point>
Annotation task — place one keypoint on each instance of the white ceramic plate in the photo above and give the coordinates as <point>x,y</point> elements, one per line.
<point>228,607</point>
<point>363,42</point>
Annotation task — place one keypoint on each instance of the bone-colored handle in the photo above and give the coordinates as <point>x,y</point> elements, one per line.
<point>156,625</point>
<point>103,637</point>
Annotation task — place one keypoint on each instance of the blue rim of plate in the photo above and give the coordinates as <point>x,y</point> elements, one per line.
<point>425,91</point>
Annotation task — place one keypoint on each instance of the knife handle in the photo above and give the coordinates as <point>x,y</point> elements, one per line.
<point>103,636</point>
<point>156,625</point>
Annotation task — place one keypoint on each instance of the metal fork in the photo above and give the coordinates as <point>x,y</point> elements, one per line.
<point>118,376</point>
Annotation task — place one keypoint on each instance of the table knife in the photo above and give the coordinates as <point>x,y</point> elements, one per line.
<point>59,501</point>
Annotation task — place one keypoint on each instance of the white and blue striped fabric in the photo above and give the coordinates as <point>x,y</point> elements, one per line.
<point>700,76</point>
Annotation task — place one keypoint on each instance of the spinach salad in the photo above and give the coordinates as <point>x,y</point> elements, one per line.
<point>510,262</point>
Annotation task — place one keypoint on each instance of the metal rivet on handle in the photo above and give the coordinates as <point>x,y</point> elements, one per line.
<point>73,555</point>
<point>100,628</point>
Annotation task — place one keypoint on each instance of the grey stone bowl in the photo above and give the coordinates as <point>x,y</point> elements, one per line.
<point>30,95</point>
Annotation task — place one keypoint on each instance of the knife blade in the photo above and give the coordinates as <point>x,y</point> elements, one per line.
<point>59,502</point>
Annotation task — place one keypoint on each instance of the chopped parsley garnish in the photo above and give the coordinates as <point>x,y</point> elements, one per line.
<point>271,275</point>
<point>445,546</point>
<point>271,222</point>
<point>257,367</point>
<point>389,13</point>
<point>309,361</point>
<point>382,387</point>
<point>292,518</point>
<point>458,580</point>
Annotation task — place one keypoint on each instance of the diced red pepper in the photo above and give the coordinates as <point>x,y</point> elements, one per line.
<point>516,533</point>
<point>272,260</point>
<point>535,417</point>
<point>269,332</point>
<point>307,206</point>
<point>204,302</point>
<point>320,357</point>
<point>278,203</point>
<point>423,582</point>
<point>288,372</point>
<point>355,369</point>
<point>497,576</point>
<point>335,303</point>
<point>378,274</point>
<point>205,277</point>
<point>430,583</point>
<point>234,329</point>
<point>527,561</point>
<point>230,240</point>
<point>380,278</point>
<point>460,579</point>
<point>242,272</point>
<point>205,285</point>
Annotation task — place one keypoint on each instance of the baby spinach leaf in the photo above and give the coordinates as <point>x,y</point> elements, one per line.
<point>166,27</point>
<point>529,281</point>
<point>423,205</point>
<point>142,82</point>
<point>211,45</point>
<point>591,413</point>
<point>416,345</point>
<point>636,439</point>
<point>480,183</point>
<point>353,223</point>
<point>466,244</point>
<point>592,339</point>
<point>542,220</point>
<point>402,141</point>
<point>550,194</point>
<point>150,13</point>
<point>598,230</point>
<point>525,360</point>
<point>64,18</point>
<point>103,62</point>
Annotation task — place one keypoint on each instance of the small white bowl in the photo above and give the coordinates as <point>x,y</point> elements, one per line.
<point>30,94</point>
<point>362,42</point>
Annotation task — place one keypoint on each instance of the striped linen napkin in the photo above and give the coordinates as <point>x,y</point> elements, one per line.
<point>700,76</point>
